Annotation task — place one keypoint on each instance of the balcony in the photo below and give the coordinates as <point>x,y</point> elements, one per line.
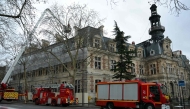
<point>154,28</point>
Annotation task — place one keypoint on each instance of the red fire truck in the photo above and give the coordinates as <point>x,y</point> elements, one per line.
<point>7,92</point>
<point>131,94</point>
<point>65,96</point>
<point>41,95</point>
<point>45,95</point>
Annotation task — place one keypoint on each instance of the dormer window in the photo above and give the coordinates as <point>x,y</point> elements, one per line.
<point>132,54</point>
<point>97,43</point>
<point>112,47</point>
<point>79,43</point>
<point>139,54</point>
<point>152,52</point>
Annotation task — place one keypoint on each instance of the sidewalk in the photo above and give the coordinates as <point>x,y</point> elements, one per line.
<point>187,106</point>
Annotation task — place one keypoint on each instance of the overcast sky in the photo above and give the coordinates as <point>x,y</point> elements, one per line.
<point>132,16</point>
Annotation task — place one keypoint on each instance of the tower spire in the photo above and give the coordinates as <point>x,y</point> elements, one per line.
<point>156,30</point>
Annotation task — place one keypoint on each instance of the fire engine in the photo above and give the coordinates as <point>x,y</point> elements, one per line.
<point>131,94</point>
<point>42,93</point>
<point>45,95</point>
<point>7,92</point>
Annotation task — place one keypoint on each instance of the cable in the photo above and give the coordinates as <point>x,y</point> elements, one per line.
<point>144,31</point>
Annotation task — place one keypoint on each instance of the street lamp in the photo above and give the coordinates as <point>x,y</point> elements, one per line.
<point>180,100</point>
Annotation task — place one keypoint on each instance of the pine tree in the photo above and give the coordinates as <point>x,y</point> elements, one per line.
<point>124,65</point>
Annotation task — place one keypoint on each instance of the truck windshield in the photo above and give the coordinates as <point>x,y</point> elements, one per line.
<point>163,89</point>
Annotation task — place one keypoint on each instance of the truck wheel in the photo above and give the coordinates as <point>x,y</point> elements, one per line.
<point>149,106</point>
<point>37,102</point>
<point>64,105</point>
<point>101,107</point>
<point>110,106</point>
<point>54,103</point>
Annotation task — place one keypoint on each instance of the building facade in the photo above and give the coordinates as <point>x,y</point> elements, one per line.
<point>154,61</point>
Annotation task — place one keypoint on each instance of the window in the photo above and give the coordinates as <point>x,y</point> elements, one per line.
<point>77,86</point>
<point>40,72</point>
<point>97,62</point>
<point>14,77</point>
<point>33,73</point>
<point>132,54</point>
<point>113,65</point>
<point>56,69</point>
<point>182,76</point>
<point>139,53</point>
<point>154,89</point>
<point>153,69</point>
<point>96,81</point>
<point>141,72</point>
<point>169,68</point>
<point>21,76</point>
<point>97,43</point>
<point>152,52</point>
<point>79,43</point>
<point>133,68</point>
<point>64,69</point>
<point>46,70</point>
<point>78,65</point>
<point>112,47</point>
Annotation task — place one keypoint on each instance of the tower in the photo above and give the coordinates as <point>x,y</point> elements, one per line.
<point>156,30</point>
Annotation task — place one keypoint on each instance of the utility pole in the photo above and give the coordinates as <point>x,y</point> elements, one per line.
<point>83,88</point>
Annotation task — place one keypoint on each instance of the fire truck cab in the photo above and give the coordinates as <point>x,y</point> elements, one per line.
<point>65,96</point>
<point>42,93</point>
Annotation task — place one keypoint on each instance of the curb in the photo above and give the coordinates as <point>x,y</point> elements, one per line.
<point>79,105</point>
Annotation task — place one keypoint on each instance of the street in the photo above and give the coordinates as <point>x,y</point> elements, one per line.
<point>30,105</point>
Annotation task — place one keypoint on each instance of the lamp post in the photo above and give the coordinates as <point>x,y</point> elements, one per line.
<point>176,92</point>
<point>180,100</point>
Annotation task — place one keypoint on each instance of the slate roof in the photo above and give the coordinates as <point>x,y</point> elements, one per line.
<point>148,46</point>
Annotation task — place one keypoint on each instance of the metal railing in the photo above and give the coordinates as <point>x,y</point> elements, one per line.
<point>156,28</point>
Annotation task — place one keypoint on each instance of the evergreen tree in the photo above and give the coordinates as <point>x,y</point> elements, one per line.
<point>124,65</point>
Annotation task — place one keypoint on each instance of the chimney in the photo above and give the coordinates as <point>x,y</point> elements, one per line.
<point>101,29</point>
<point>133,43</point>
<point>180,52</point>
<point>76,30</point>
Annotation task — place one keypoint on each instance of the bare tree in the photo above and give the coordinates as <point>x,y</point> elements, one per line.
<point>63,27</point>
<point>16,18</point>
<point>175,6</point>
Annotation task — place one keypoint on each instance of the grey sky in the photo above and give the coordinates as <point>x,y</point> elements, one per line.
<point>132,17</point>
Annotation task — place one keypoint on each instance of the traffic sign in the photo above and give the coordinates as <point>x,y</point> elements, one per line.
<point>181,83</point>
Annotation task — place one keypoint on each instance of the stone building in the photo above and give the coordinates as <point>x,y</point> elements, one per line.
<point>155,61</point>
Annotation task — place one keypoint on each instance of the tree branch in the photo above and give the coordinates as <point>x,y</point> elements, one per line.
<point>17,16</point>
